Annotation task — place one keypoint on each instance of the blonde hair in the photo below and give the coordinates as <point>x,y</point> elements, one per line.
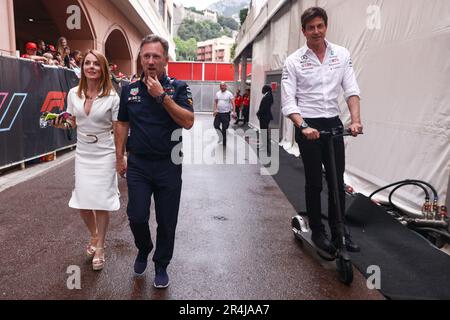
<point>105,84</point>
<point>59,46</point>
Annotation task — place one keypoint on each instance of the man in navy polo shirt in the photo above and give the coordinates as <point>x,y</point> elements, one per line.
<point>150,111</point>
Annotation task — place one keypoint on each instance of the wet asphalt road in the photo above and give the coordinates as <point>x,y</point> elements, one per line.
<point>233,242</point>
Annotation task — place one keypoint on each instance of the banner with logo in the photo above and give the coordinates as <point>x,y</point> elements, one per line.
<point>26,90</point>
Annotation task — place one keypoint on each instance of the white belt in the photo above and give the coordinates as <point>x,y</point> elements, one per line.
<point>92,138</point>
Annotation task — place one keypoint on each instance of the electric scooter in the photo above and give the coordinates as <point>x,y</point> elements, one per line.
<point>300,225</point>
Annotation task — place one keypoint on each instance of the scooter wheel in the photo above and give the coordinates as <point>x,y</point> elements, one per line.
<point>345,270</point>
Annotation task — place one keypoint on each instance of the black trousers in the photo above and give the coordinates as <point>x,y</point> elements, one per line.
<point>162,179</point>
<point>238,113</point>
<point>246,113</point>
<point>264,125</point>
<point>314,153</point>
<point>221,123</point>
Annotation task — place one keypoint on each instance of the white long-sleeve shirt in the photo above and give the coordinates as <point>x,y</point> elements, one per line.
<point>311,88</point>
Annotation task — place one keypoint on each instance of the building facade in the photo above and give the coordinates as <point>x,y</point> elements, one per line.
<point>180,13</point>
<point>113,27</point>
<point>215,50</point>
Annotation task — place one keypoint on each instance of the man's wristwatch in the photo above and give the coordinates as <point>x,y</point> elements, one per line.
<point>160,99</point>
<point>304,125</point>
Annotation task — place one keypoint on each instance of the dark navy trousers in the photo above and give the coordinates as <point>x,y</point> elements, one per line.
<point>162,179</point>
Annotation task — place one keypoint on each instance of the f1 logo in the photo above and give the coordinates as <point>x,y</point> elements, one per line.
<point>10,111</point>
<point>55,99</point>
<point>9,114</point>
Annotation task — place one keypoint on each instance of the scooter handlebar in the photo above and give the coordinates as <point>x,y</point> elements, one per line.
<point>335,134</point>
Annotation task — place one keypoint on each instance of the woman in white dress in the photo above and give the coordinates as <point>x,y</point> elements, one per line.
<point>94,106</point>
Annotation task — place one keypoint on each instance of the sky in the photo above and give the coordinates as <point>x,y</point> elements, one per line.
<point>200,5</point>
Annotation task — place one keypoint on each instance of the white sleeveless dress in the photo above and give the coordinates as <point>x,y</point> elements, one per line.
<point>96,186</point>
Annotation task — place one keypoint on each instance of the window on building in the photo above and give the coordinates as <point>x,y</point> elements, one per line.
<point>161,8</point>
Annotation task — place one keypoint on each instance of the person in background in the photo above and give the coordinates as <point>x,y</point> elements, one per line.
<point>238,104</point>
<point>246,106</point>
<point>264,113</point>
<point>50,53</point>
<point>58,59</point>
<point>31,49</point>
<point>60,45</point>
<point>112,70</point>
<point>41,48</point>
<point>223,107</point>
<point>73,64</point>
<point>50,49</point>
<point>78,57</point>
<point>66,57</point>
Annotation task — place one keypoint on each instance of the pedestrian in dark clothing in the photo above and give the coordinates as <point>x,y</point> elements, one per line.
<point>264,113</point>
<point>246,106</point>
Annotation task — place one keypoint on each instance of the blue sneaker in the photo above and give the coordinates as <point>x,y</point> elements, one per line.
<point>140,265</point>
<point>161,278</point>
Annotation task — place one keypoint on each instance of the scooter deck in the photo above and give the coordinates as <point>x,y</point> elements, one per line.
<point>304,235</point>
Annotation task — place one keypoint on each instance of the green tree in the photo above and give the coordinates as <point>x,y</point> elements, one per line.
<point>243,15</point>
<point>227,22</point>
<point>186,50</point>
<point>233,51</point>
<point>202,30</point>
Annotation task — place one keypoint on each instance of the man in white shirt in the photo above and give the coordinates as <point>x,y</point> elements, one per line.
<point>311,83</point>
<point>223,105</point>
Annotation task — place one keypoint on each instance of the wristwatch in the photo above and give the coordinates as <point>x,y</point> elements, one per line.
<point>160,99</point>
<point>304,125</point>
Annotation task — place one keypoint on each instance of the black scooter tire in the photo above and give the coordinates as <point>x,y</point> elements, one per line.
<point>345,270</point>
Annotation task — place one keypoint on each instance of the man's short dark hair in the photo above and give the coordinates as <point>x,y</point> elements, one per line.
<point>152,38</point>
<point>312,13</point>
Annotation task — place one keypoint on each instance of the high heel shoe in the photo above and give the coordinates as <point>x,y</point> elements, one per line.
<point>90,249</point>
<point>98,263</point>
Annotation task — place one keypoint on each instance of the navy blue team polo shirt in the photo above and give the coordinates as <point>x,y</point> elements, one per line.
<point>151,126</point>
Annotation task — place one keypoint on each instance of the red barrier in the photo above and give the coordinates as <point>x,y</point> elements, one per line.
<point>203,71</point>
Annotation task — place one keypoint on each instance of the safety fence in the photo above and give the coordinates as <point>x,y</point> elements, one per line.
<point>204,71</point>
<point>203,94</point>
<point>26,90</point>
